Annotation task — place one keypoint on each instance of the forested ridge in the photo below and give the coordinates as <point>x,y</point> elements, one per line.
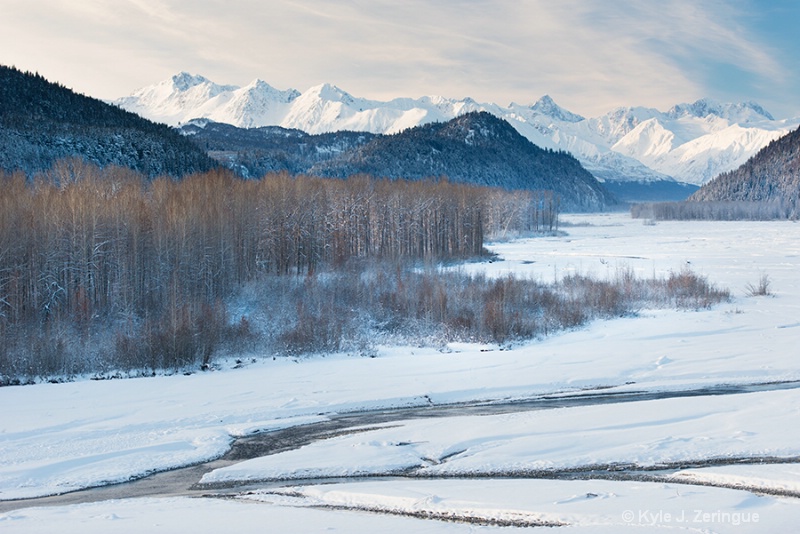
<point>475,148</point>
<point>772,175</point>
<point>767,186</point>
<point>254,152</point>
<point>42,122</point>
<point>770,179</point>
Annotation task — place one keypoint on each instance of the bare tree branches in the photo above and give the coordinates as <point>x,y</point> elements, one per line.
<point>85,251</point>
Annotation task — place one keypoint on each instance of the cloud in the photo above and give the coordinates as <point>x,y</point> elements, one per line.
<point>590,56</point>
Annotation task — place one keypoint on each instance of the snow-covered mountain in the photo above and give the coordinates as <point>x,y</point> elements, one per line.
<point>696,142</point>
<point>689,143</point>
<point>184,97</point>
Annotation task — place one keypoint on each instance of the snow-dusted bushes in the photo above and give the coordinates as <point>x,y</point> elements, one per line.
<point>351,310</point>
<point>761,288</point>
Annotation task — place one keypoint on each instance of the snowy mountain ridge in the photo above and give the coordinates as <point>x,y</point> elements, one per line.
<point>741,112</point>
<point>691,142</point>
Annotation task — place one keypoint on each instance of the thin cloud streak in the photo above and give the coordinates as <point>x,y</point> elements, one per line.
<point>589,56</point>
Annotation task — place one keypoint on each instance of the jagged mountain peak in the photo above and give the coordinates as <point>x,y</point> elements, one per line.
<point>735,112</point>
<point>330,92</point>
<point>183,81</point>
<point>547,106</point>
<point>259,84</point>
<point>259,87</point>
<point>182,84</point>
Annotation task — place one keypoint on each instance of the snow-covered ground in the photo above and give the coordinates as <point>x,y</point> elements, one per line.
<point>59,437</point>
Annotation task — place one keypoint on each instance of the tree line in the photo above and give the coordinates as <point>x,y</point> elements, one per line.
<point>715,210</point>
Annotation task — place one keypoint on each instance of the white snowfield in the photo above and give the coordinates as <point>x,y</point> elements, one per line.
<point>60,437</point>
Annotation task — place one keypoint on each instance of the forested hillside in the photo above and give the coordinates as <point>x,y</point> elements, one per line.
<point>254,152</point>
<point>771,176</point>
<point>476,148</point>
<point>42,122</point>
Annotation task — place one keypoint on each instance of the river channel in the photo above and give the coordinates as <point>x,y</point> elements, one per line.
<point>185,481</point>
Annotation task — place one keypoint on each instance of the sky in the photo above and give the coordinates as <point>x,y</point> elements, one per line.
<point>591,56</point>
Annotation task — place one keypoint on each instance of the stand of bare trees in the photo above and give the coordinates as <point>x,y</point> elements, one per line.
<point>103,271</point>
<point>86,251</point>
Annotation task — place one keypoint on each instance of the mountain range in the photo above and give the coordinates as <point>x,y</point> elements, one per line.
<point>42,122</point>
<point>687,145</point>
<point>475,148</point>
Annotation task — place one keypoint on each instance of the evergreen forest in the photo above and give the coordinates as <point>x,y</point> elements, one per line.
<point>42,122</point>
